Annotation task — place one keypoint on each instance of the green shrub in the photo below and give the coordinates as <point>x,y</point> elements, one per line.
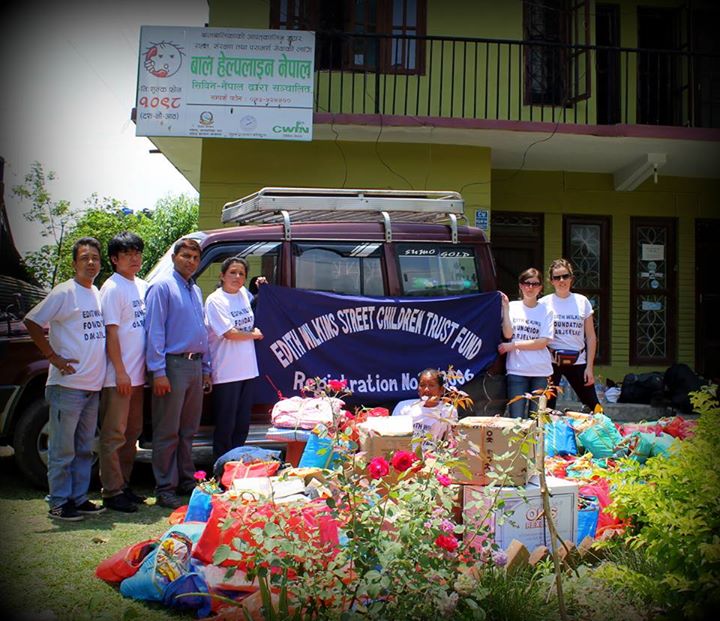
<point>673,504</point>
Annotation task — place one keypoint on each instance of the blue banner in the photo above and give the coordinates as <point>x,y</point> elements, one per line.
<point>379,345</point>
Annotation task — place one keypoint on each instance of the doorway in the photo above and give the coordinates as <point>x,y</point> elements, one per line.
<point>517,241</point>
<point>607,33</point>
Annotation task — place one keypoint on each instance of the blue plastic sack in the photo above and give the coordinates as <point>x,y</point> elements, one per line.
<point>601,438</point>
<point>199,506</point>
<point>244,454</point>
<point>318,453</point>
<point>175,594</point>
<point>166,563</point>
<point>560,438</point>
<point>588,520</point>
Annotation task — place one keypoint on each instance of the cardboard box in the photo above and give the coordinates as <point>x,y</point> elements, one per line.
<point>481,439</point>
<point>523,518</point>
<point>383,435</point>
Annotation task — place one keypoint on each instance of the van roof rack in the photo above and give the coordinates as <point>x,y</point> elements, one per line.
<point>285,205</point>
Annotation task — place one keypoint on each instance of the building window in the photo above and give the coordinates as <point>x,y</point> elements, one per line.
<point>340,26</point>
<point>586,245</point>
<point>555,73</point>
<point>653,291</point>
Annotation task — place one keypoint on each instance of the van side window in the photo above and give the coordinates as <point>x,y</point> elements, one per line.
<point>345,267</point>
<point>263,258</point>
<point>432,269</point>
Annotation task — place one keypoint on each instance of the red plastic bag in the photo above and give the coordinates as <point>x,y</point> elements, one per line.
<point>125,563</point>
<point>241,470</point>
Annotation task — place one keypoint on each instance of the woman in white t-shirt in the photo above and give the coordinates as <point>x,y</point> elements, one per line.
<point>430,414</point>
<point>529,326</point>
<point>231,332</point>
<point>574,333</point>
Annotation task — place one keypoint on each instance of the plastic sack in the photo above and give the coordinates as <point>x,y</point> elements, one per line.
<point>560,438</point>
<point>199,506</point>
<point>304,413</point>
<point>125,563</point>
<point>245,454</point>
<point>601,437</point>
<point>176,594</point>
<point>240,470</point>
<point>318,453</point>
<point>588,519</point>
<point>167,562</point>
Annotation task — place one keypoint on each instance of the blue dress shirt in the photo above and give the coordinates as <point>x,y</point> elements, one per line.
<point>174,322</point>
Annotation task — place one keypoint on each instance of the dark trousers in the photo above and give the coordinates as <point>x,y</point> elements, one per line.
<point>175,419</point>
<point>232,402</point>
<point>575,374</point>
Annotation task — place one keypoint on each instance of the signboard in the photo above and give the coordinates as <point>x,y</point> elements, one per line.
<point>379,345</point>
<point>481,219</point>
<point>225,83</point>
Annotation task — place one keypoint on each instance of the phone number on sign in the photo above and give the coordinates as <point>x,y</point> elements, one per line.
<point>160,102</point>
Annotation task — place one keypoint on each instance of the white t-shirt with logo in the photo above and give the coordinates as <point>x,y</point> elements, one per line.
<point>232,361</point>
<point>569,315</point>
<point>123,305</point>
<point>77,331</point>
<point>427,419</point>
<point>529,324</point>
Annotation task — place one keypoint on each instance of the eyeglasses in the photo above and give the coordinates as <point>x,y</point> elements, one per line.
<point>562,277</point>
<point>530,283</point>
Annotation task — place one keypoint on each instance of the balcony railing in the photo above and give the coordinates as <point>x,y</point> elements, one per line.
<point>496,79</point>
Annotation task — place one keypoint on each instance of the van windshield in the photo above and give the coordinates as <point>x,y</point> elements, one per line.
<point>428,270</point>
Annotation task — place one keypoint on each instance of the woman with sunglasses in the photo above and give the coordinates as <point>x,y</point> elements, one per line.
<point>574,342</point>
<point>529,326</point>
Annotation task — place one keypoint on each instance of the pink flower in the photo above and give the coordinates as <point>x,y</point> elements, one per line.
<point>447,526</point>
<point>378,468</point>
<point>443,479</point>
<point>337,385</point>
<point>446,542</point>
<point>402,460</point>
<point>200,475</point>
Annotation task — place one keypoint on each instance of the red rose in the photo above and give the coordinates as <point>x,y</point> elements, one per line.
<point>378,412</point>
<point>402,460</point>
<point>443,479</point>
<point>446,542</point>
<point>378,468</point>
<point>337,385</point>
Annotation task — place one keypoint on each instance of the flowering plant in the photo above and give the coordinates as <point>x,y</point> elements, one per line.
<point>392,546</point>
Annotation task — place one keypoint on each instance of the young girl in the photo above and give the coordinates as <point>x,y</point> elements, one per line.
<point>573,331</point>
<point>429,413</point>
<point>530,326</point>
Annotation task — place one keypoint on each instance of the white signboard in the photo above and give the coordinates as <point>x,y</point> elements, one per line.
<point>225,83</point>
<point>652,252</point>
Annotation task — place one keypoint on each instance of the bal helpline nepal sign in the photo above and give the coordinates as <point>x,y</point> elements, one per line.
<point>379,345</point>
<point>225,83</point>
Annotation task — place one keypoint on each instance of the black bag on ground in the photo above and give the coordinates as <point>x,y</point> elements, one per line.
<point>641,388</point>
<point>680,380</point>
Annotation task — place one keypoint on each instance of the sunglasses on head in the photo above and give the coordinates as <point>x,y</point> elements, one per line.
<point>562,277</point>
<point>530,283</point>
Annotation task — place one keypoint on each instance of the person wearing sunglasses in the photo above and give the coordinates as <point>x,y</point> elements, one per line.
<point>574,341</point>
<point>529,326</point>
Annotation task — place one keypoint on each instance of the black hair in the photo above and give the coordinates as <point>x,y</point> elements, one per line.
<point>186,242</point>
<point>230,260</point>
<point>85,241</point>
<point>123,242</point>
<point>436,373</point>
<point>252,286</point>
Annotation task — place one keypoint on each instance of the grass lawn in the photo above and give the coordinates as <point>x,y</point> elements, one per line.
<point>47,567</point>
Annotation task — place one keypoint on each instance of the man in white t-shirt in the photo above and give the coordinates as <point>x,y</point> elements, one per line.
<point>122,297</point>
<point>75,348</point>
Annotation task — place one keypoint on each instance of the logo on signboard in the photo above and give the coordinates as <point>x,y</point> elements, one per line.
<point>163,59</point>
<point>207,118</point>
<point>298,128</point>
<point>248,123</point>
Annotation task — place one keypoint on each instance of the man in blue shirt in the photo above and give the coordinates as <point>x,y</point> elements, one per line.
<point>178,359</point>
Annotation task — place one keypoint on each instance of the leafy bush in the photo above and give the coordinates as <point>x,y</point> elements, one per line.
<point>674,506</point>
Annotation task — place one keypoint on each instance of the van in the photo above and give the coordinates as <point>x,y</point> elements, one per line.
<point>386,243</point>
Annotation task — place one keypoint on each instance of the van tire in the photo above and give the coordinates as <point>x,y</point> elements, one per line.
<point>30,442</point>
